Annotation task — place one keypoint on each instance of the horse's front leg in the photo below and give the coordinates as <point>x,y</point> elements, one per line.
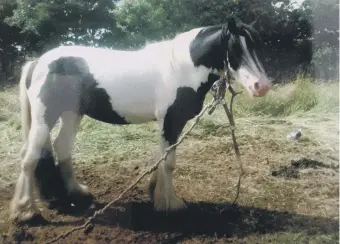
<point>161,189</point>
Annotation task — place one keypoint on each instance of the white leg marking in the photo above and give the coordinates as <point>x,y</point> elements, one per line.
<point>164,194</point>
<point>63,146</point>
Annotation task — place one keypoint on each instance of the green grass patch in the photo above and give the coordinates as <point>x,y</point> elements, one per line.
<point>297,97</point>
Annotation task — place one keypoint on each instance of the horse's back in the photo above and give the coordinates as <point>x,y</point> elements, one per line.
<point>94,57</point>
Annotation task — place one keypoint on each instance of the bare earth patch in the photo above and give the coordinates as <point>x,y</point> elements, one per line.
<point>270,209</point>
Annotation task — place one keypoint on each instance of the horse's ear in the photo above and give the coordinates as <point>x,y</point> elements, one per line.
<point>232,25</point>
<point>254,22</point>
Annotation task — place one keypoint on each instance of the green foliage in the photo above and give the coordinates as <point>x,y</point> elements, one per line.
<point>48,24</point>
<point>28,16</point>
<point>39,25</point>
<point>145,20</point>
<point>298,97</point>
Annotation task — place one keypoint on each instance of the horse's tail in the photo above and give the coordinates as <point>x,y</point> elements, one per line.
<point>25,107</point>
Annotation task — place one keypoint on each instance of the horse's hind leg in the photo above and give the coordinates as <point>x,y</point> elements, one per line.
<point>48,177</point>
<point>47,146</point>
<point>23,206</point>
<point>63,146</point>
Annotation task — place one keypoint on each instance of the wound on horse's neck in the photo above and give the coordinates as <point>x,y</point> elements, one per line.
<point>206,48</point>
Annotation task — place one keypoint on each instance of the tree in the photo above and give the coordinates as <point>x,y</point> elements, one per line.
<point>32,27</point>
<point>152,20</point>
<point>324,16</point>
<point>59,21</point>
<point>10,38</point>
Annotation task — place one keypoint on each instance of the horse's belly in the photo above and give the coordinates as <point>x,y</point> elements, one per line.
<point>123,101</point>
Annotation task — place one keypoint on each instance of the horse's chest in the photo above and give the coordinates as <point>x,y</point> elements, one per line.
<point>187,104</point>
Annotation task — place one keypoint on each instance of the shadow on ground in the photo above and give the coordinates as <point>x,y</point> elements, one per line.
<point>213,219</point>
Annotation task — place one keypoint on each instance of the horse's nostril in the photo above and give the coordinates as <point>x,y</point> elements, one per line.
<point>256,86</point>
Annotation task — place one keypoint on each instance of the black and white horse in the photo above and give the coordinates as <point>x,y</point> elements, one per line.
<point>165,81</point>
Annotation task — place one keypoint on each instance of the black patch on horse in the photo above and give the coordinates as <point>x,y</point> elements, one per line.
<point>30,73</point>
<point>76,89</point>
<point>235,53</point>
<point>212,44</point>
<point>187,105</point>
<point>48,178</point>
<point>207,49</point>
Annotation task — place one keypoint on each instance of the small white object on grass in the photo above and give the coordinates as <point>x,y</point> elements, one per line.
<point>295,135</point>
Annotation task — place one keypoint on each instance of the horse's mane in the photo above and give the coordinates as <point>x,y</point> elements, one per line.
<point>172,51</point>
<point>168,47</point>
<point>242,27</point>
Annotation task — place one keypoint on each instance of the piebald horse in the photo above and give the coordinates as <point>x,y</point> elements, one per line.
<point>166,81</point>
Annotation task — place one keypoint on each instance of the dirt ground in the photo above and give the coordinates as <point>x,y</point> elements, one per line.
<point>281,201</point>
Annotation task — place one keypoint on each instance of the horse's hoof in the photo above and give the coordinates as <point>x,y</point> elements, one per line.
<point>81,200</point>
<point>173,204</point>
<point>30,218</point>
<point>73,203</point>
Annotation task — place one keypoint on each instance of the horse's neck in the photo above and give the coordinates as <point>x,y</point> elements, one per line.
<point>173,60</point>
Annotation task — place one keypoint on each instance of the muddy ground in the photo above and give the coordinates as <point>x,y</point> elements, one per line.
<point>281,201</point>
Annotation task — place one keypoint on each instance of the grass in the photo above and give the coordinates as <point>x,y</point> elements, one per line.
<point>296,98</point>
<point>205,170</point>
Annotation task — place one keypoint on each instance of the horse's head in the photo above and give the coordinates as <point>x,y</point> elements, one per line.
<point>240,42</point>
